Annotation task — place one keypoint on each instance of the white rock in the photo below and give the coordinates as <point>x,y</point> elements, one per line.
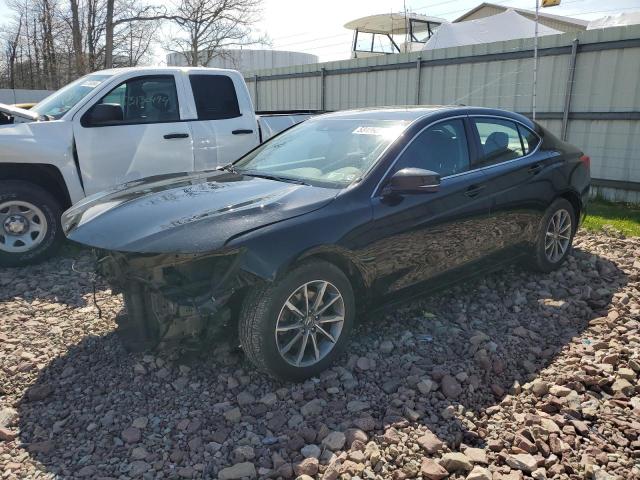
<point>479,473</point>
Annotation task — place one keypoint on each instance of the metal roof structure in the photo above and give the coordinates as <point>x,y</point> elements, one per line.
<point>575,22</point>
<point>392,23</point>
<point>508,25</point>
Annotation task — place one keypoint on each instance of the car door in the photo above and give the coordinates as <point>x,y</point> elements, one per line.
<point>516,178</point>
<point>419,236</point>
<point>144,137</point>
<point>222,132</point>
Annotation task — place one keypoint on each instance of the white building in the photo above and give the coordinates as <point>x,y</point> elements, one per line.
<point>246,60</point>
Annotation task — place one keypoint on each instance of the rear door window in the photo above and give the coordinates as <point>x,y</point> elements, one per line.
<point>215,97</point>
<point>499,140</point>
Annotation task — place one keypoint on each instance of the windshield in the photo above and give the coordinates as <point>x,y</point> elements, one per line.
<point>332,151</point>
<point>60,102</point>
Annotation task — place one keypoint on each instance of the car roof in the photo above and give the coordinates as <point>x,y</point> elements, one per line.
<point>388,113</point>
<point>421,112</point>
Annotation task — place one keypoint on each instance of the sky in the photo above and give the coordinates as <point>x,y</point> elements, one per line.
<point>316,26</point>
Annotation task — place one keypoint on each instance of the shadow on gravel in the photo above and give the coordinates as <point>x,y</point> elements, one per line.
<point>98,411</point>
<point>62,279</point>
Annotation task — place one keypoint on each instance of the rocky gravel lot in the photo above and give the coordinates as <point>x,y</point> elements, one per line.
<point>511,376</point>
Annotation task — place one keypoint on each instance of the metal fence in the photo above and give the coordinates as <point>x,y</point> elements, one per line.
<point>10,96</point>
<point>588,91</point>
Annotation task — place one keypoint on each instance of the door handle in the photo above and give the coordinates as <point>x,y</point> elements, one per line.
<point>535,169</point>
<point>474,190</point>
<point>242,132</point>
<point>171,136</point>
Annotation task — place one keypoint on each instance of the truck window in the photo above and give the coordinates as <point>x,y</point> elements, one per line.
<point>215,97</point>
<point>151,99</point>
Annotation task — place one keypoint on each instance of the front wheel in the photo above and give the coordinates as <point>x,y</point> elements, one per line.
<point>296,327</point>
<point>30,229</point>
<point>555,236</point>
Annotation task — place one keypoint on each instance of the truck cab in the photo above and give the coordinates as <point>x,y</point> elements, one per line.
<point>113,127</point>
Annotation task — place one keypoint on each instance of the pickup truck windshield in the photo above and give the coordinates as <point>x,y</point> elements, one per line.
<point>335,152</point>
<point>60,102</point>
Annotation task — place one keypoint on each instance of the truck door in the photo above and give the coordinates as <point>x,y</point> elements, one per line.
<point>226,127</point>
<point>133,131</point>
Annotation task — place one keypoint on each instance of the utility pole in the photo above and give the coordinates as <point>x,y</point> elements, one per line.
<point>545,4</point>
<point>535,64</point>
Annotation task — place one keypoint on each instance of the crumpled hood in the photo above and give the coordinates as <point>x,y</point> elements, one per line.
<point>186,213</point>
<point>14,111</point>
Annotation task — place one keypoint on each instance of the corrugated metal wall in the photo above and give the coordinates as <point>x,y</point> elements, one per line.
<point>604,113</point>
<point>11,96</point>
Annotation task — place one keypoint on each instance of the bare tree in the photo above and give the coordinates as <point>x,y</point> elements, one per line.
<point>76,34</point>
<point>12,49</point>
<point>208,26</point>
<point>47,43</point>
<point>132,14</point>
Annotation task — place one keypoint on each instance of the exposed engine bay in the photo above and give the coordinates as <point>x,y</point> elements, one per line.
<point>173,297</point>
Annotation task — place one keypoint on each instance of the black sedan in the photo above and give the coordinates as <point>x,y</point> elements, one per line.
<point>328,218</point>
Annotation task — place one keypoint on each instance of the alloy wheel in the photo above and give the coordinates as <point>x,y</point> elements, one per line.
<point>23,226</point>
<point>558,235</point>
<point>310,323</point>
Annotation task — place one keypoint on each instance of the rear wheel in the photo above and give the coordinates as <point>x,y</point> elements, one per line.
<point>30,229</point>
<point>296,327</point>
<point>555,236</point>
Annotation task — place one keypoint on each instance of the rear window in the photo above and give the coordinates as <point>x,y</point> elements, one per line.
<point>215,97</point>
<point>529,139</point>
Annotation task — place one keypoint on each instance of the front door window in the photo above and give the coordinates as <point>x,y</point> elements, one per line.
<point>441,148</point>
<point>149,99</point>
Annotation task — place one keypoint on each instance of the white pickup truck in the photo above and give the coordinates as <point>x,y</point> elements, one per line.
<point>112,127</point>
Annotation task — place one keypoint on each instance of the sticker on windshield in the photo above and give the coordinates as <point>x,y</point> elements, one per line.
<point>372,130</point>
<point>90,83</point>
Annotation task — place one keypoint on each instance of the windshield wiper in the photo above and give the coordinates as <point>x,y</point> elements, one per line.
<point>270,176</point>
<point>229,167</point>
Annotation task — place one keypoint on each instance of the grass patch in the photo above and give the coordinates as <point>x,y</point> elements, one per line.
<point>603,215</point>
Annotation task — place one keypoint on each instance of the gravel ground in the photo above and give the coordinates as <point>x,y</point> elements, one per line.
<point>510,376</point>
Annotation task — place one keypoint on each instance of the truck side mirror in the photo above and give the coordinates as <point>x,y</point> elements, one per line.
<point>103,114</point>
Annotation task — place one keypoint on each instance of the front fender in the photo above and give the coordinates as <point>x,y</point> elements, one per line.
<point>42,143</point>
<point>272,250</point>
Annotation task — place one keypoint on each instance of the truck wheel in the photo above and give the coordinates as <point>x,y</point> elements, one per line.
<point>296,327</point>
<point>30,229</point>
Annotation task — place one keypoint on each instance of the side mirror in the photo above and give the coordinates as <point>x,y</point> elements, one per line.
<point>413,180</point>
<point>103,114</point>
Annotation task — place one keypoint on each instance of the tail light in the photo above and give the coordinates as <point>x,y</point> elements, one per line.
<point>586,159</point>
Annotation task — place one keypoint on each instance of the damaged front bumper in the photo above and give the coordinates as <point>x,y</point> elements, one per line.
<point>172,297</point>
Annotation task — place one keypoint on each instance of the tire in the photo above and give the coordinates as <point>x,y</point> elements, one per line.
<point>541,259</point>
<point>264,308</point>
<point>25,200</point>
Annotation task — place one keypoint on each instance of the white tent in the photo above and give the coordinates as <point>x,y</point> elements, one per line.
<point>508,25</point>
<point>617,20</point>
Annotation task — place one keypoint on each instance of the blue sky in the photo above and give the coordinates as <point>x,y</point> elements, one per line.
<point>316,26</point>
